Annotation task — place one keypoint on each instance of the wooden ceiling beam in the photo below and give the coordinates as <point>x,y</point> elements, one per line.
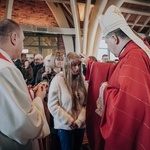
<point>57,1</point>
<point>137,24</point>
<point>144,25</point>
<point>127,17</point>
<point>63,23</point>
<point>76,18</point>
<point>141,3</point>
<point>49,30</point>
<point>86,23</point>
<point>68,14</point>
<point>131,11</point>
<point>136,21</point>
<point>9,6</point>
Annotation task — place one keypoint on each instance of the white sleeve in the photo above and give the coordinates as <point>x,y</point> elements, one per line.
<point>54,103</point>
<point>23,119</point>
<point>81,118</point>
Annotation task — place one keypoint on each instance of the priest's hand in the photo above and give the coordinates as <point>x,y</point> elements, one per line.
<point>40,91</point>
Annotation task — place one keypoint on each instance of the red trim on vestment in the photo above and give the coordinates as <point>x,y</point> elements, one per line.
<point>3,57</point>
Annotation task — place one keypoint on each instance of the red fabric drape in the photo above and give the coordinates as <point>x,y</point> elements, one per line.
<point>96,73</point>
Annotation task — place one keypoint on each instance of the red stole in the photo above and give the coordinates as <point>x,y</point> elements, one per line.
<point>3,57</point>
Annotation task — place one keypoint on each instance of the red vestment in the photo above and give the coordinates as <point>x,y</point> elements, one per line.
<point>96,74</point>
<point>125,124</point>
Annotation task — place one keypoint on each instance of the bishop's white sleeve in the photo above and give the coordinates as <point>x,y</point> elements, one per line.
<point>21,119</point>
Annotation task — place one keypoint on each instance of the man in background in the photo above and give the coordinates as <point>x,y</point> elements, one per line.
<point>38,61</point>
<point>105,58</point>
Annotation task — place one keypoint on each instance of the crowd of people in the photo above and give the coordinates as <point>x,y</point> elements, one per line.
<point>49,103</point>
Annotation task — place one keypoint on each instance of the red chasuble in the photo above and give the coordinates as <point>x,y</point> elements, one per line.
<point>96,74</point>
<point>125,124</point>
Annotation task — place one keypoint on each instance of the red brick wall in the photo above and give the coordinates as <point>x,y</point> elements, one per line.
<point>30,12</point>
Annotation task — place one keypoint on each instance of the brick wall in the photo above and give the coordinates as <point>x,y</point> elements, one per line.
<point>30,12</point>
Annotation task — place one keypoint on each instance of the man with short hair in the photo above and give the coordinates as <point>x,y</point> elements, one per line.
<point>105,58</point>
<point>22,120</point>
<point>38,61</point>
<point>123,105</point>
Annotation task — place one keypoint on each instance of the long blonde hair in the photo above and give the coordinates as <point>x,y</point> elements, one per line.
<point>55,56</point>
<point>75,83</point>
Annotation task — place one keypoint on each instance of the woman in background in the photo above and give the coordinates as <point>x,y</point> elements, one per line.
<point>27,72</point>
<point>66,102</point>
<point>53,65</point>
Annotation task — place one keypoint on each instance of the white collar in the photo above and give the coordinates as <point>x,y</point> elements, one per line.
<point>6,55</point>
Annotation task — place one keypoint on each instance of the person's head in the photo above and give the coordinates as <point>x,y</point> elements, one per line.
<point>93,58</point>
<point>72,64</point>
<point>56,60</point>
<point>47,63</point>
<point>26,64</point>
<point>117,32</point>
<point>11,38</point>
<point>38,59</point>
<point>73,75</point>
<point>105,58</point>
<point>116,40</point>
